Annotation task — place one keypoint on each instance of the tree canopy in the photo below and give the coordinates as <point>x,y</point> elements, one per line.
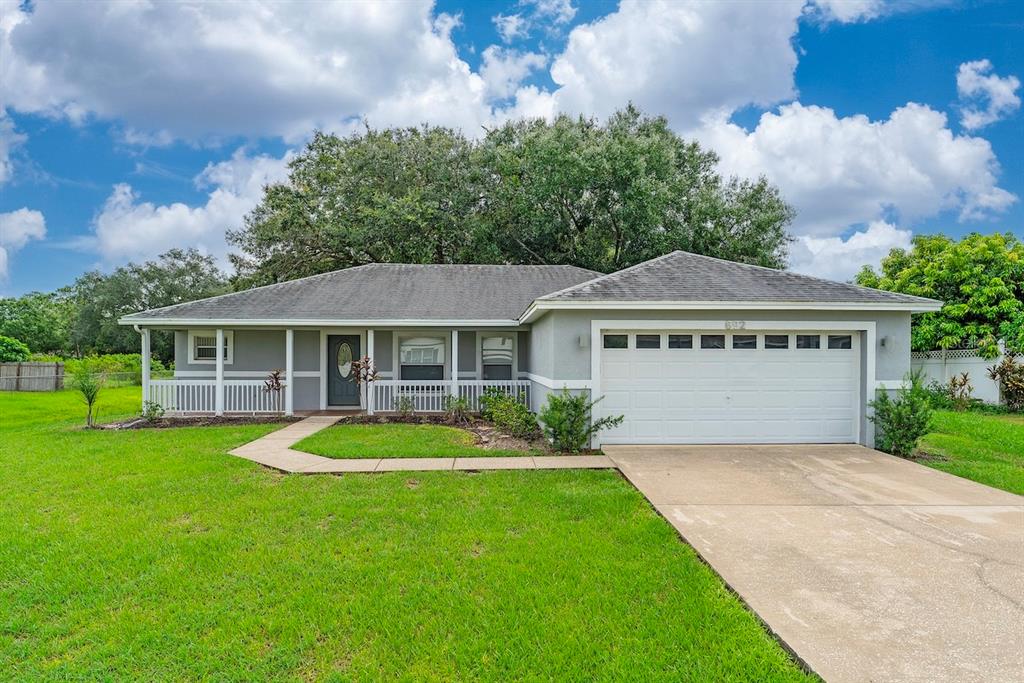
<point>82,318</point>
<point>980,279</point>
<point>569,191</point>
<point>175,277</point>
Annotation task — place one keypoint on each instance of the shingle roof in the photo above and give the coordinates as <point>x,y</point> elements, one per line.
<point>383,291</point>
<point>684,277</point>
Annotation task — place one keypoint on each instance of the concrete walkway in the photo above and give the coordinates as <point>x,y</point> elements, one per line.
<point>871,568</point>
<point>274,450</point>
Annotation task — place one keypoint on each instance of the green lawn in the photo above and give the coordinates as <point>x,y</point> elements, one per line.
<point>152,555</point>
<point>986,448</point>
<point>396,441</point>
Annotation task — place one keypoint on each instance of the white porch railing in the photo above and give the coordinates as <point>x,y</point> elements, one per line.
<point>200,396</point>
<point>430,396</point>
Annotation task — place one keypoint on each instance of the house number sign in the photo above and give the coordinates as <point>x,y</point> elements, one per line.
<point>735,324</point>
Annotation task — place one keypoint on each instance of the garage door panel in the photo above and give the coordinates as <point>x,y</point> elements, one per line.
<point>731,395</point>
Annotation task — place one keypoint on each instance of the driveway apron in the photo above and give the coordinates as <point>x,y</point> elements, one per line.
<point>869,567</point>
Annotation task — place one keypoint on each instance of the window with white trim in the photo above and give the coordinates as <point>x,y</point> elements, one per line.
<point>202,346</point>
<point>496,352</point>
<point>421,358</point>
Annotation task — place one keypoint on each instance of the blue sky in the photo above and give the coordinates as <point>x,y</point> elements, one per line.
<point>128,129</point>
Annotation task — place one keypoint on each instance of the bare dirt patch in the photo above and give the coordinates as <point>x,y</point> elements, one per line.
<point>487,436</point>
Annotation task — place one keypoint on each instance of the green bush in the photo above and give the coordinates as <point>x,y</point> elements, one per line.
<point>900,422</point>
<point>13,351</point>
<point>508,414</point>
<point>568,421</point>
<point>1010,376</point>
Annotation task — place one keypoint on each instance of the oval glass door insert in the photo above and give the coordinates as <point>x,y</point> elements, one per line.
<point>344,360</point>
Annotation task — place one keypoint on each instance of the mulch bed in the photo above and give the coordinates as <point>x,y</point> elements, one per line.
<point>487,435</point>
<point>198,421</point>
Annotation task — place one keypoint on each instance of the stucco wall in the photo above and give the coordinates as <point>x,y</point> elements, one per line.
<point>541,351</point>
<point>572,362</point>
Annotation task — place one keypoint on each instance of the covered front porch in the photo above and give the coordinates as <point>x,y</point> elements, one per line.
<point>224,371</point>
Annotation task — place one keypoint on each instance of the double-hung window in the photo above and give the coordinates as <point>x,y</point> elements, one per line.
<point>421,357</point>
<point>202,346</point>
<point>496,353</point>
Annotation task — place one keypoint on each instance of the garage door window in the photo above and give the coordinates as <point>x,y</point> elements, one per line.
<point>808,341</point>
<point>648,341</point>
<point>680,341</point>
<point>615,341</point>
<point>776,341</point>
<point>744,341</point>
<point>712,341</point>
<point>840,341</point>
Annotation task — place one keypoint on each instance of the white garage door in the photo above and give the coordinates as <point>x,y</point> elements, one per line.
<point>694,386</point>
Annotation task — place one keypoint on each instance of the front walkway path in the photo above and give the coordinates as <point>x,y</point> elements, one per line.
<point>274,450</point>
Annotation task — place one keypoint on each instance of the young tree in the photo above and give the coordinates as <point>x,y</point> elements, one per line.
<point>88,382</point>
<point>980,279</point>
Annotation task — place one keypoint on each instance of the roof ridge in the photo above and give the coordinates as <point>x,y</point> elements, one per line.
<point>804,276</point>
<point>609,275</point>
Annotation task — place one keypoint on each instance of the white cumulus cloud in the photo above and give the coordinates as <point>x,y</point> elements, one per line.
<point>504,69</point>
<point>985,97</point>
<point>840,259</point>
<point>680,58</point>
<point>16,229</point>
<point>127,228</point>
<point>843,171</point>
<point>196,71</point>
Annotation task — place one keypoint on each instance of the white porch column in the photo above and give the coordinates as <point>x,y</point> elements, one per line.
<point>219,389</point>
<point>369,385</point>
<point>455,363</point>
<point>146,365</point>
<point>289,371</point>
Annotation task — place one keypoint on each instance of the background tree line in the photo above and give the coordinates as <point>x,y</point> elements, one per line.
<point>81,319</point>
<point>574,191</point>
<point>570,191</point>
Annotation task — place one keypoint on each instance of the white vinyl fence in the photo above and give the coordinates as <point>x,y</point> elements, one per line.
<point>178,396</point>
<point>941,365</point>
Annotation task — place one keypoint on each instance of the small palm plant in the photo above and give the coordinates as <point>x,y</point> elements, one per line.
<point>88,382</point>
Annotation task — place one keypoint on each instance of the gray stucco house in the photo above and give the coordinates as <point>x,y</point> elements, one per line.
<point>690,349</point>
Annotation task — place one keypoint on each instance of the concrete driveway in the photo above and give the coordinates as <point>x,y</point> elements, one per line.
<point>869,567</point>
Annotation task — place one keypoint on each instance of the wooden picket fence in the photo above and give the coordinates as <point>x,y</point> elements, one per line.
<point>31,376</point>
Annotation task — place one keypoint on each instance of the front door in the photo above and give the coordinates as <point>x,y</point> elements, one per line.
<point>342,389</point>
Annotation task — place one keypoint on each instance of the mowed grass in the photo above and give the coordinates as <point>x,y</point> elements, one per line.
<point>988,449</point>
<point>152,555</point>
<point>397,441</point>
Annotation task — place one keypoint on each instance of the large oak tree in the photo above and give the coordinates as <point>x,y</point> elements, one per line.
<point>573,191</point>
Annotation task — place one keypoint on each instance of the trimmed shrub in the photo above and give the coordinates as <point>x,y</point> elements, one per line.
<point>13,351</point>
<point>508,414</point>
<point>901,422</point>
<point>568,421</point>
